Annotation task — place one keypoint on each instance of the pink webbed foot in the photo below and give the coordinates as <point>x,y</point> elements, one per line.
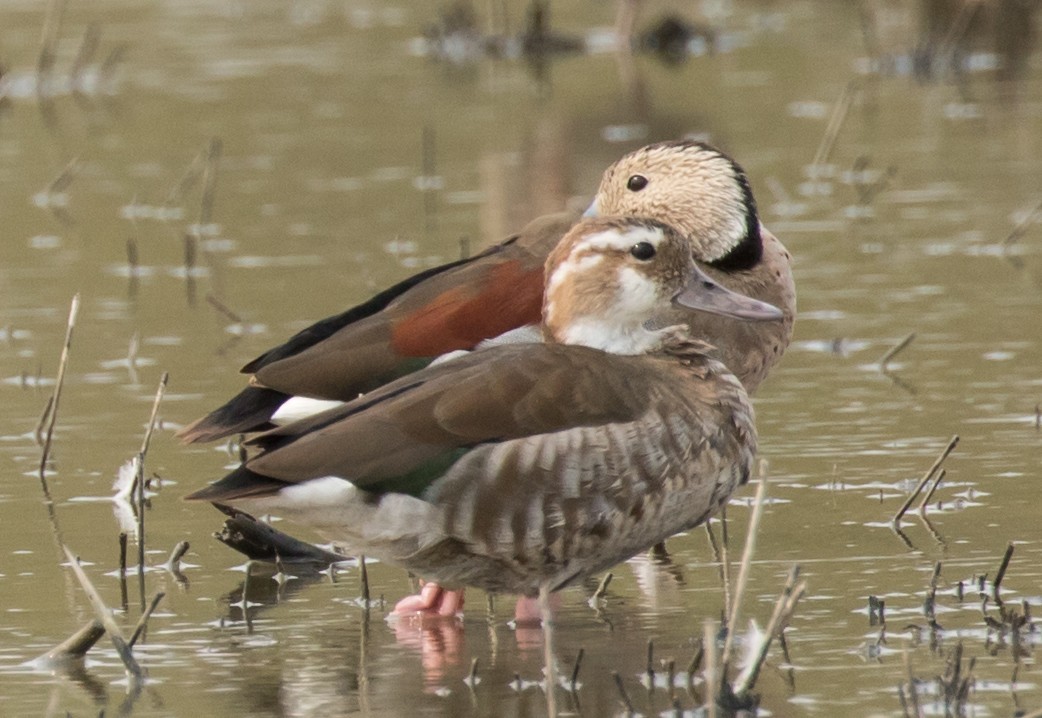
<point>433,600</point>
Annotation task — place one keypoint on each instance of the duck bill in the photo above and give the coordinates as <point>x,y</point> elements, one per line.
<point>704,294</point>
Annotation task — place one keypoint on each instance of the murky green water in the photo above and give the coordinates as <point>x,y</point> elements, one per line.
<point>348,160</point>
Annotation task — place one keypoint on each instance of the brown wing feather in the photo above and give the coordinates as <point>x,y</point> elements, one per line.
<point>454,309</point>
<point>493,395</point>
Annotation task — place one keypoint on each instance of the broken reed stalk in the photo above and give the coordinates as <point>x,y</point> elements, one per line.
<point>44,417</point>
<point>929,494</point>
<point>472,677</point>
<point>88,46</point>
<point>142,622</point>
<point>744,567</point>
<point>574,680</point>
<point>783,610</point>
<point>76,645</point>
<point>894,351</point>
<point>952,443</point>
<point>1022,226</point>
<point>602,589</point>
<point>913,694</point>
<point>364,574</point>
<point>49,41</point>
<point>104,615</point>
<point>997,583</point>
<point>835,123</point>
<point>74,309</point>
<point>174,562</point>
<point>622,693</point>
<point>223,309</point>
<point>649,669</point>
<point>163,380</point>
<point>213,160</point>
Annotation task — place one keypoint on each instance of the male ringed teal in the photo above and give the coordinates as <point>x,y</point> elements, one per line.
<point>689,185</point>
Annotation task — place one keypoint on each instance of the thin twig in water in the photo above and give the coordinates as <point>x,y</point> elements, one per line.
<point>163,380</point>
<point>74,309</point>
<point>574,680</point>
<point>835,123</point>
<point>952,443</point>
<point>894,351</point>
<point>743,569</point>
<point>49,42</point>
<point>104,615</point>
<point>142,622</point>
<point>602,589</point>
<point>913,694</point>
<point>44,417</point>
<point>1002,571</point>
<point>929,494</point>
<point>783,610</point>
<point>223,309</point>
<point>622,693</point>
<point>364,578</point>
<point>1022,226</point>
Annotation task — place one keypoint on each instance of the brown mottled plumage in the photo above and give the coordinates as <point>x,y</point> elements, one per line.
<point>687,185</point>
<point>525,466</point>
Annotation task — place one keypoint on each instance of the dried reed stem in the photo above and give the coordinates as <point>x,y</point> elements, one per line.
<point>104,615</point>
<point>744,567</point>
<point>929,494</point>
<point>574,680</point>
<point>1022,226</point>
<point>74,309</point>
<point>76,645</point>
<point>835,123</point>
<point>783,610</point>
<point>1002,571</point>
<point>142,622</point>
<point>894,351</point>
<point>952,443</point>
<point>622,693</point>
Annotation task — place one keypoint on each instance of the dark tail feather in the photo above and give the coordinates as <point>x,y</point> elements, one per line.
<point>239,484</point>
<point>249,410</point>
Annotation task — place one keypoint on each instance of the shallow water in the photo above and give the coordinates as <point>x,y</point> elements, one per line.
<point>348,159</point>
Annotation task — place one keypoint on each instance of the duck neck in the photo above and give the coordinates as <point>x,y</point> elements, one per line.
<point>609,335</point>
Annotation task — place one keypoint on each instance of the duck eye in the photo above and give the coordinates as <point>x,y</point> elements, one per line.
<point>636,183</point>
<point>643,251</point>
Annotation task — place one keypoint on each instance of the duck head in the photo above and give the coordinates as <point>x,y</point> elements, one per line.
<point>610,275</point>
<point>697,190</point>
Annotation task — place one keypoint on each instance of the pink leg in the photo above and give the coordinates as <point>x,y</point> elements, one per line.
<point>527,613</point>
<point>433,600</point>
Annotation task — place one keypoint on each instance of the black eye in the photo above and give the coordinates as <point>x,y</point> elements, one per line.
<point>636,183</point>
<point>643,251</point>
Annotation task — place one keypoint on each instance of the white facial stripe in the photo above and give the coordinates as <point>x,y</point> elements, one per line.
<point>564,271</point>
<point>621,241</point>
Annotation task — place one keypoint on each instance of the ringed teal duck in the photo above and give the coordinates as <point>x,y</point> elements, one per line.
<point>689,185</point>
<point>521,468</point>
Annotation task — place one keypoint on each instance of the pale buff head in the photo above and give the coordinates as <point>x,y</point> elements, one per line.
<point>607,277</point>
<point>694,188</point>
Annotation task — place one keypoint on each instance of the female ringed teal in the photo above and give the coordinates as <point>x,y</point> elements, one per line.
<point>524,467</point>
